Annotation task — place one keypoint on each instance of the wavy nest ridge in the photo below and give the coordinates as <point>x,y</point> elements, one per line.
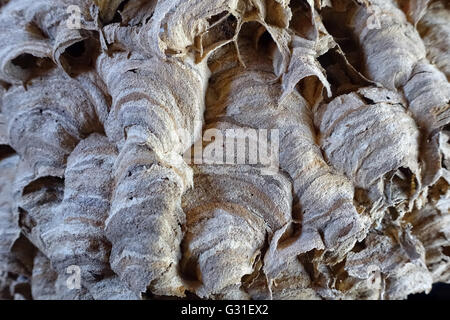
<point>103,104</point>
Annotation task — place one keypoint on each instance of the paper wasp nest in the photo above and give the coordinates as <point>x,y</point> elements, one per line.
<point>227,149</point>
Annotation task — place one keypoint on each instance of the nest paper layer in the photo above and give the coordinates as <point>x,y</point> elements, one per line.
<point>104,105</point>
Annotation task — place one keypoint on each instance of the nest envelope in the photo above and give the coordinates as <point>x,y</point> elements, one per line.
<point>101,101</point>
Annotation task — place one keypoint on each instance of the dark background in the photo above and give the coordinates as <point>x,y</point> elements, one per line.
<point>440,291</point>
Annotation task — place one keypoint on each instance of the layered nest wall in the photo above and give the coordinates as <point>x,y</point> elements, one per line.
<point>103,104</point>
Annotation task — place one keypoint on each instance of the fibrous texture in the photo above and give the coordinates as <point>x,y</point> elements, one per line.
<point>227,149</point>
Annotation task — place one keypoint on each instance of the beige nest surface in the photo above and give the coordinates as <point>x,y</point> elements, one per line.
<point>224,149</point>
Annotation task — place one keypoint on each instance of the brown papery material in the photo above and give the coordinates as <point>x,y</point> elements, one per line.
<point>118,179</point>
